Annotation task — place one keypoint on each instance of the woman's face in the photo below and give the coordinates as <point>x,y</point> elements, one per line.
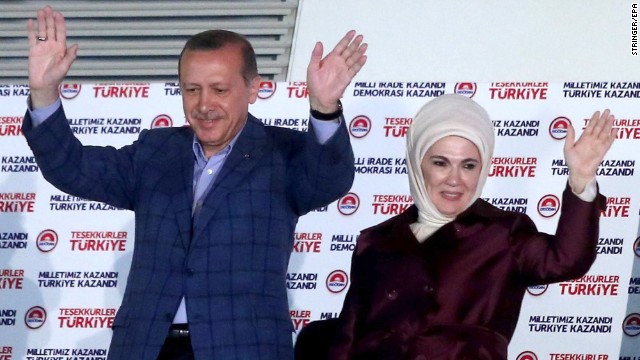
<point>451,169</point>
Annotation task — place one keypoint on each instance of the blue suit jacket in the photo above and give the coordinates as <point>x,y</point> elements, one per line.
<point>231,264</point>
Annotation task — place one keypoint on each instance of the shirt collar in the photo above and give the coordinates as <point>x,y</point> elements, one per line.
<point>198,152</point>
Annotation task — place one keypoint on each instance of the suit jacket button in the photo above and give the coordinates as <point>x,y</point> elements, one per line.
<point>428,289</point>
<point>392,295</point>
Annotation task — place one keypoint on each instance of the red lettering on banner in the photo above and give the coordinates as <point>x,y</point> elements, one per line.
<point>307,242</point>
<point>299,92</point>
<point>579,357</point>
<point>5,357</point>
<point>10,120</point>
<point>121,91</point>
<point>300,313</point>
<point>399,121</point>
<point>12,273</point>
<point>86,321</point>
<point>16,206</point>
<point>101,234</point>
<point>618,201</point>
<point>11,283</point>
<point>300,318</point>
<point>627,133</point>
<point>87,311</point>
<point>598,278</point>
<point>512,171</point>
<point>14,130</point>
<point>616,211</point>
<point>519,93</point>
<point>97,245</point>
<point>389,209</point>
<point>588,289</point>
<point>395,131</point>
<point>17,196</point>
<point>392,198</point>
<point>300,323</point>
<point>514,161</point>
<point>306,246</point>
<point>309,236</point>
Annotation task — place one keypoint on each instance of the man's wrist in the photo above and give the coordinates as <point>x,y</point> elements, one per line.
<point>42,98</point>
<point>327,116</point>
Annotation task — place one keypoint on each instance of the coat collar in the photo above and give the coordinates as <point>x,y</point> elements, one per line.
<point>395,234</point>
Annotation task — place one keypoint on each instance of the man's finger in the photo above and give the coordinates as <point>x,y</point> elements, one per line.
<point>352,47</point>
<point>316,56</point>
<point>31,35</point>
<point>50,24</point>
<point>344,42</point>
<point>42,24</point>
<point>60,28</point>
<point>607,128</point>
<point>570,139</point>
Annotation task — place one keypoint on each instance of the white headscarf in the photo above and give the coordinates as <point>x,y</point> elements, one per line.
<point>447,115</point>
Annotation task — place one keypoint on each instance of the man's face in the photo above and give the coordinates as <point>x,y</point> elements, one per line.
<point>215,96</point>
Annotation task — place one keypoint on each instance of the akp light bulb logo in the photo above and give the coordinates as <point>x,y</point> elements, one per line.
<point>35,317</point>
<point>467,89</point>
<point>537,290</point>
<point>47,240</point>
<point>360,126</point>
<point>337,281</point>
<point>266,90</point>
<point>548,205</point>
<point>70,91</point>
<point>636,247</point>
<point>631,325</point>
<point>348,204</point>
<point>558,127</point>
<point>527,355</point>
<point>161,121</point>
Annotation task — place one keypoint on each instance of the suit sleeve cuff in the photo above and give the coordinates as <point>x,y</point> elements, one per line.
<point>324,129</point>
<point>38,116</point>
<point>590,191</point>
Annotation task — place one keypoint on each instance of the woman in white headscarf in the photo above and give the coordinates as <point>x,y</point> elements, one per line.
<point>446,278</point>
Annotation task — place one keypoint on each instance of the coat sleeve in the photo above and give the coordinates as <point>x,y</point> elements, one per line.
<point>543,258</point>
<point>96,173</point>
<point>322,172</point>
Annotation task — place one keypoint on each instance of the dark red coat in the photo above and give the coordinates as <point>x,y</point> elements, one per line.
<point>458,295</point>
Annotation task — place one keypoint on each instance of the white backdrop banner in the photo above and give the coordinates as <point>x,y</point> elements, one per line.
<point>64,260</point>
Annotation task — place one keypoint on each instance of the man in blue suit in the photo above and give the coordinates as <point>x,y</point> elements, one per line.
<point>216,203</point>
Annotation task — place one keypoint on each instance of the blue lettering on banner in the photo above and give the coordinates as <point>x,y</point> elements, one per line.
<point>301,281</point>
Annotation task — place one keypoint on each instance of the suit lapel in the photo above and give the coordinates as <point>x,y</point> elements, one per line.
<point>181,163</point>
<point>245,155</point>
<point>185,201</point>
